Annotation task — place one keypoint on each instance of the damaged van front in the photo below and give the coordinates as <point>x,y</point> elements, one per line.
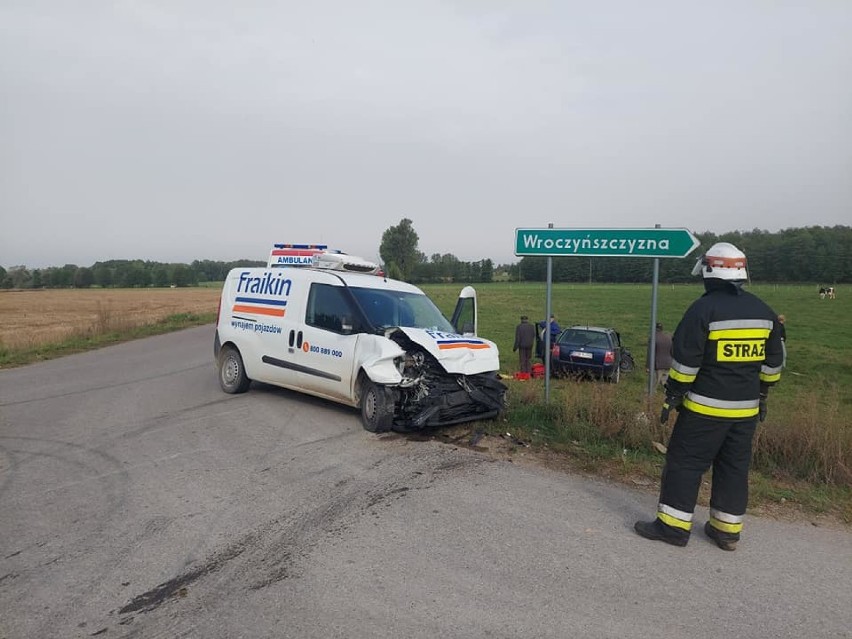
<point>335,327</point>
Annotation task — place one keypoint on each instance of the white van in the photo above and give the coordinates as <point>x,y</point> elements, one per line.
<point>330,324</point>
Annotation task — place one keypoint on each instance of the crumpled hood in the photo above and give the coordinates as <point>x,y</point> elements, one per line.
<point>457,353</point>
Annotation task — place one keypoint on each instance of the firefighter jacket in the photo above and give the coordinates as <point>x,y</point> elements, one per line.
<point>726,350</point>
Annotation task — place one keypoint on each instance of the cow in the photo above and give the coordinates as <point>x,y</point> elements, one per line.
<point>826,291</point>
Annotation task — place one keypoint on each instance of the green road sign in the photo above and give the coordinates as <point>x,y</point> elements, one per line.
<point>650,242</point>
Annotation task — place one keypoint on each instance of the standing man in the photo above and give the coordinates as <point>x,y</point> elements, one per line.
<point>555,329</point>
<point>524,341</point>
<point>552,326</point>
<point>726,354</point>
<point>782,320</point>
<point>662,355</point>
<point>544,325</point>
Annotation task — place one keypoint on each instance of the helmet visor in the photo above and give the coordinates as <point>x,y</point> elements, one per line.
<point>699,263</point>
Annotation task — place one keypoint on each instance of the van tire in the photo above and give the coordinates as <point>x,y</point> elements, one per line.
<point>232,372</point>
<point>376,407</point>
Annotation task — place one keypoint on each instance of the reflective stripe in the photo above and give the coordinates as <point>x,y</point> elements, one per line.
<point>680,377</point>
<point>681,373</point>
<point>684,369</point>
<point>723,403</point>
<point>770,373</point>
<point>722,261</point>
<point>720,407</point>
<point>726,518</point>
<point>719,412</point>
<point>740,333</point>
<point>674,512</point>
<point>673,522</point>
<point>744,323</point>
<point>674,517</point>
<point>718,524</point>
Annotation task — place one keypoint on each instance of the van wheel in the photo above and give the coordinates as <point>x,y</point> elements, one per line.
<point>376,407</point>
<point>232,372</point>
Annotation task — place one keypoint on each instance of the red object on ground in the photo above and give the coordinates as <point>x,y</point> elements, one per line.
<point>538,369</point>
<point>523,376</point>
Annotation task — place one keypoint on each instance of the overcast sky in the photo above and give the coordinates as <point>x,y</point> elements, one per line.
<point>176,130</point>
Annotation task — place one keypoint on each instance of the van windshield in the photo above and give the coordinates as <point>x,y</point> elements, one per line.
<point>396,308</point>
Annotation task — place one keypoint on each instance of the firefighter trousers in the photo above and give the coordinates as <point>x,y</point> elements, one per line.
<point>697,443</point>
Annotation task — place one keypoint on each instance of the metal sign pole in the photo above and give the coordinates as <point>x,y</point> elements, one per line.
<point>652,340</point>
<point>547,313</point>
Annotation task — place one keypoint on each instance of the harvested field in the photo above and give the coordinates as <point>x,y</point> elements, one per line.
<point>32,318</point>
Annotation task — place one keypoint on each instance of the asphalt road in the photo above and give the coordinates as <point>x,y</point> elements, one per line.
<point>138,500</point>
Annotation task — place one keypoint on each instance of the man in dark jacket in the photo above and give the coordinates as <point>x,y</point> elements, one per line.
<point>727,353</point>
<point>662,355</point>
<point>541,335</point>
<point>524,341</point>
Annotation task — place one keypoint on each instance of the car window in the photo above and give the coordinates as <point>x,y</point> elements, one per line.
<point>602,340</point>
<point>570,336</point>
<point>580,337</point>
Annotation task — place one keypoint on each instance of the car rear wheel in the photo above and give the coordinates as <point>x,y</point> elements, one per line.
<point>232,372</point>
<point>376,407</point>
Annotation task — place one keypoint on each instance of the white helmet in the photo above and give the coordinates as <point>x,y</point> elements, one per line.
<point>723,261</point>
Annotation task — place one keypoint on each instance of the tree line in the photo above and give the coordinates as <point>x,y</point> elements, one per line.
<point>121,274</point>
<point>809,254</point>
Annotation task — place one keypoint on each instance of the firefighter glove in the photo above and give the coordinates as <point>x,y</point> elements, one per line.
<point>672,401</point>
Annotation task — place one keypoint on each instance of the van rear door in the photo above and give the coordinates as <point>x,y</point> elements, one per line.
<point>258,323</point>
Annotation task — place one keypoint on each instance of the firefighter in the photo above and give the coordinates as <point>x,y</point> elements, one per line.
<point>726,354</point>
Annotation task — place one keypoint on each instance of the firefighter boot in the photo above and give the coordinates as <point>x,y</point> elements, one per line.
<point>725,541</point>
<point>658,531</point>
